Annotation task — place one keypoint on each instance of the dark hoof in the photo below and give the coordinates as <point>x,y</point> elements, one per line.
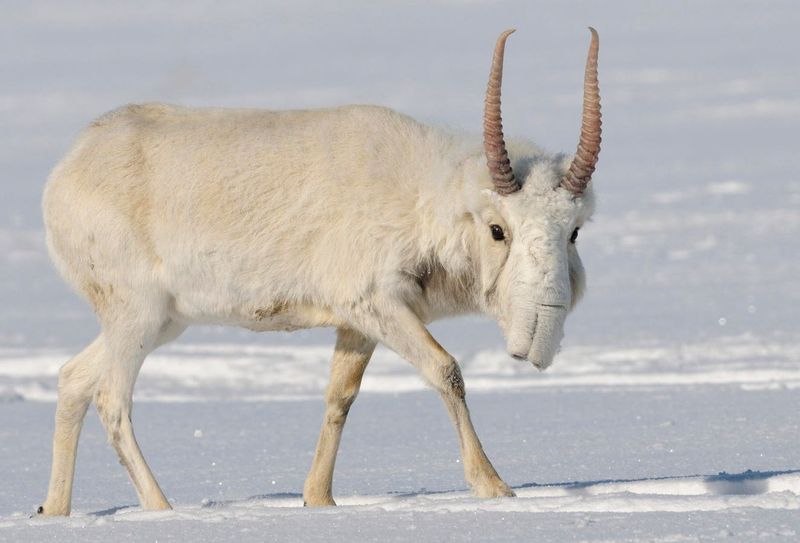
<point>40,510</point>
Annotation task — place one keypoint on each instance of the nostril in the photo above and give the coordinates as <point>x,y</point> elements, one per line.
<point>518,356</point>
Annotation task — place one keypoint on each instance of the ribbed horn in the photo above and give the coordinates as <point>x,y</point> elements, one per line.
<point>580,171</point>
<point>493,143</point>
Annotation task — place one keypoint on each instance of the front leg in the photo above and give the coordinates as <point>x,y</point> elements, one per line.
<point>350,358</point>
<point>395,325</point>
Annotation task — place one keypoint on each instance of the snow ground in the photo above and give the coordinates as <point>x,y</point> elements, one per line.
<point>614,464</point>
<point>670,415</point>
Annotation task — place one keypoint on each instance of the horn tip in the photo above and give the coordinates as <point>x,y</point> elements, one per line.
<point>594,33</point>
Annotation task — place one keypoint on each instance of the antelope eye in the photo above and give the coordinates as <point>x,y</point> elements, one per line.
<point>574,235</point>
<point>497,232</point>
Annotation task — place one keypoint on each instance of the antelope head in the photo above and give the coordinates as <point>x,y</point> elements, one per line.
<point>528,223</point>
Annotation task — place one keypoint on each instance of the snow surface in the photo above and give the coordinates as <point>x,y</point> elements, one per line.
<point>671,413</point>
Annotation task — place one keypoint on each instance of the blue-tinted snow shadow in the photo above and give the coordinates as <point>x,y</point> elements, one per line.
<point>112,510</point>
<point>210,504</point>
<point>748,482</point>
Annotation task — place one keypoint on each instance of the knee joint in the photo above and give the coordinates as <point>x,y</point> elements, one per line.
<point>339,406</point>
<point>112,414</point>
<point>71,377</point>
<point>452,380</point>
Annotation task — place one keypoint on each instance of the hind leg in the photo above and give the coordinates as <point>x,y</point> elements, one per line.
<point>125,353</point>
<point>350,359</point>
<point>76,382</point>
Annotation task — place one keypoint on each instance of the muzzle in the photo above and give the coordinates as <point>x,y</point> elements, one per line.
<point>547,335</point>
<point>540,343</point>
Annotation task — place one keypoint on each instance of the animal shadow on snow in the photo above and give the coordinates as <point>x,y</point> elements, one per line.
<point>748,482</point>
<point>209,504</point>
<point>723,484</point>
<point>112,510</point>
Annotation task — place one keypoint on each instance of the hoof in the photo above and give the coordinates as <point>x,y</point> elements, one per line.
<point>497,490</point>
<point>49,512</point>
<point>159,506</point>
